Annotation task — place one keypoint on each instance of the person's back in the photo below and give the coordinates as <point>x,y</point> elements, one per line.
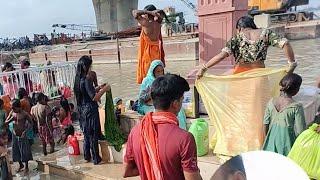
<point>284,118</point>
<point>176,154</point>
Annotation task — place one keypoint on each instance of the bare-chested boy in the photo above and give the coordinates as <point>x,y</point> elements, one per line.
<point>151,45</point>
<point>21,150</point>
<point>41,113</point>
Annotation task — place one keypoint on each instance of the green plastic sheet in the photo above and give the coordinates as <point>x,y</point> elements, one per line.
<point>306,152</point>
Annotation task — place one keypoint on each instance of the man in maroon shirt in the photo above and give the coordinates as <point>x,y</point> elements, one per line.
<point>157,148</point>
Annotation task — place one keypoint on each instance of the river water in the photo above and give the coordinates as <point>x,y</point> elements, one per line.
<point>122,78</point>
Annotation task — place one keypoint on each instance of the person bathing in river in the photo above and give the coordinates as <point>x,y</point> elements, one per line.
<point>151,45</point>
<point>284,118</point>
<point>21,149</point>
<point>249,47</point>
<point>145,103</point>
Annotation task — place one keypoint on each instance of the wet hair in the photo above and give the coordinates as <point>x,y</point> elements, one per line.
<point>22,93</point>
<point>71,105</point>
<point>150,7</point>
<point>83,66</point>
<point>230,167</point>
<point>40,97</point>
<point>246,22</point>
<point>290,84</point>
<point>16,103</point>
<point>6,66</point>
<point>166,89</point>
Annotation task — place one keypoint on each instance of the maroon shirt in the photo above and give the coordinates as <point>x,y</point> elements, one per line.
<point>177,150</point>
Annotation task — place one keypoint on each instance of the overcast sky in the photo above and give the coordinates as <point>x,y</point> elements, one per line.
<point>25,17</point>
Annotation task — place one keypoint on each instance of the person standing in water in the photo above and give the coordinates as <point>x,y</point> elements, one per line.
<point>249,48</point>
<point>151,45</point>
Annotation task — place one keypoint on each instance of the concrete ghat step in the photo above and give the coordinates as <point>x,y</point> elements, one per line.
<point>74,167</point>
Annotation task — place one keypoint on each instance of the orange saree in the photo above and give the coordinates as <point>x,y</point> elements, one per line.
<point>148,51</point>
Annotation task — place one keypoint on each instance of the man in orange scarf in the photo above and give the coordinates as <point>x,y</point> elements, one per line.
<point>151,45</point>
<point>157,149</point>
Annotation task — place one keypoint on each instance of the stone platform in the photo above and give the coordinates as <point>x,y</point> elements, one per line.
<point>75,167</point>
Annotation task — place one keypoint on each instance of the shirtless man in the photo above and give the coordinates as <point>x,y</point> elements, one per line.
<point>21,150</point>
<point>151,46</point>
<point>41,113</point>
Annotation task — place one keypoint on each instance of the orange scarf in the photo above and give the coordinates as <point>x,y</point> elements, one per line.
<point>148,51</point>
<point>149,142</point>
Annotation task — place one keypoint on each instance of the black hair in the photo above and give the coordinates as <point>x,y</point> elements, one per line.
<point>1,103</point>
<point>83,66</point>
<point>290,84</point>
<point>69,130</point>
<point>246,22</point>
<point>71,105</point>
<point>6,66</point>
<point>25,62</point>
<point>46,98</point>
<point>230,167</point>
<point>150,7</point>
<point>16,103</point>
<point>166,89</point>
<point>55,109</point>
<point>65,105</point>
<point>40,97</point>
<point>22,93</point>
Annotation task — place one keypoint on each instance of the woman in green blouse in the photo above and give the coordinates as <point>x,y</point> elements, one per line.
<point>249,48</point>
<point>284,118</point>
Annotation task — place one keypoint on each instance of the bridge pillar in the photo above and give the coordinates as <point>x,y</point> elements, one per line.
<point>217,24</point>
<point>114,15</point>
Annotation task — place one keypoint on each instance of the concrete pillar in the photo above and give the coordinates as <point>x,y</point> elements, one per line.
<point>114,15</point>
<point>217,24</point>
<point>106,15</point>
<point>124,14</point>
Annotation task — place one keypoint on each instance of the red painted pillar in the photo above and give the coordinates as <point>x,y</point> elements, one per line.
<point>217,24</point>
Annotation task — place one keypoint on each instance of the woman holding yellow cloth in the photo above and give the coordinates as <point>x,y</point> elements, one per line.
<point>249,48</point>
<point>236,103</point>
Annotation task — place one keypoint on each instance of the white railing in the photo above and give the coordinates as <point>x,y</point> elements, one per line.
<point>50,80</point>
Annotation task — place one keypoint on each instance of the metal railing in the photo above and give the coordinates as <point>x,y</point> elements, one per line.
<point>51,80</point>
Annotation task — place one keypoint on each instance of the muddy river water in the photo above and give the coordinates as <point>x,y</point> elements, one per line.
<point>122,78</point>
